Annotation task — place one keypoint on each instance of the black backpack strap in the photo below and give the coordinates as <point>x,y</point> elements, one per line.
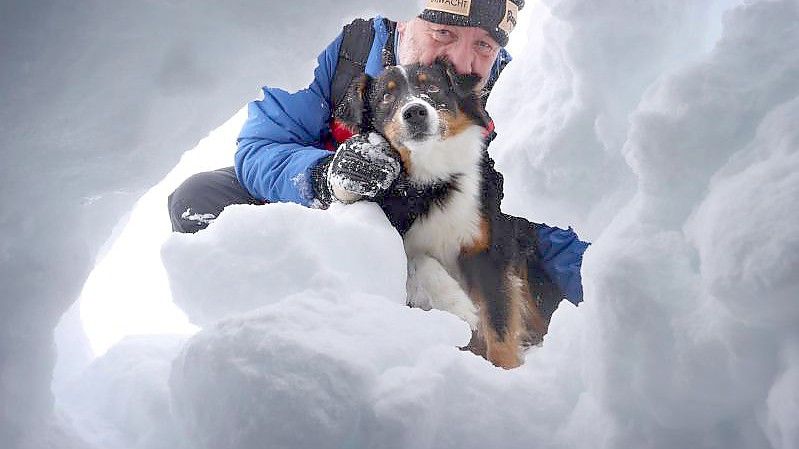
<point>356,42</point>
<point>388,52</point>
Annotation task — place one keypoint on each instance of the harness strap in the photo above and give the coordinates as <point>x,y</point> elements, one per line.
<point>356,42</point>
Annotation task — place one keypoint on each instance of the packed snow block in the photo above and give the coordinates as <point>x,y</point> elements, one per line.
<point>253,256</point>
<point>744,230</point>
<point>696,276</point>
<point>122,400</point>
<point>325,370</point>
<point>302,373</point>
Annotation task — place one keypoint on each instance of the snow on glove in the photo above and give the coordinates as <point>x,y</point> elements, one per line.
<point>361,168</point>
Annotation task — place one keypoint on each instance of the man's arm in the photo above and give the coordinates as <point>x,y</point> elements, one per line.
<point>281,140</point>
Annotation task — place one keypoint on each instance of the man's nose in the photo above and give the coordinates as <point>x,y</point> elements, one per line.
<point>461,56</point>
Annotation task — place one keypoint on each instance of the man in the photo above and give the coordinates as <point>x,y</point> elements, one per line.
<point>284,147</point>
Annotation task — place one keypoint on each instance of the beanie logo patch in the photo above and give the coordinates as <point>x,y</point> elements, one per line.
<point>458,7</point>
<point>508,23</point>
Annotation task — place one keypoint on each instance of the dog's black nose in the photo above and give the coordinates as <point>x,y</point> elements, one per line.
<point>415,115</point>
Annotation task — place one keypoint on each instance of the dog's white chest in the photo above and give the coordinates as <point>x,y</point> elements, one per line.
<point>445,230</point>
<point>448,227</point>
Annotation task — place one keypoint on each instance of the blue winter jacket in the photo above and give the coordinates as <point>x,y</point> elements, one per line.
<point>282,140</point>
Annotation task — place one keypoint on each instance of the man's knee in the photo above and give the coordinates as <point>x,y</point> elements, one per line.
<point>201,198</point>
<point>184,202</point>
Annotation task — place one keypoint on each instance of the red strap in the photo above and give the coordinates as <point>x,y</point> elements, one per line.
<point>340,131</point>
<point>488,129</point>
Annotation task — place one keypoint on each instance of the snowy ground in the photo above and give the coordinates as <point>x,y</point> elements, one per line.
<point>664,133</point>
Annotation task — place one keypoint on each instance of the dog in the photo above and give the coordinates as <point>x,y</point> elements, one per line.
<point>463,254</point>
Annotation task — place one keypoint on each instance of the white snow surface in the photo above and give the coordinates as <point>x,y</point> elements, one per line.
<point>665,133</point>
<point>254,256</point>
<point>121,400</point>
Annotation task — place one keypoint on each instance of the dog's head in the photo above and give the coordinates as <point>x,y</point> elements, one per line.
<point>413,103</point>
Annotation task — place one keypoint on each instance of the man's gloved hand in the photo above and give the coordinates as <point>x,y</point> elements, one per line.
<point>362,167</point>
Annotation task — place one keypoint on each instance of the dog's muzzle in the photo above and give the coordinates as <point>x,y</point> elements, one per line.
<point>416,118</point>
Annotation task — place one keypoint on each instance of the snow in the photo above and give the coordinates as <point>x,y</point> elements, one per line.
<point>663,132</point>
<point>254,256</point>
<point>127,293</point>
<point>129,405</point>
<point>303,370</point>
<point>99,101</point>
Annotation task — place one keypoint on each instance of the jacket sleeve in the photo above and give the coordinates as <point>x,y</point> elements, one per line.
<point>282,138</point>
<point>561,252</point>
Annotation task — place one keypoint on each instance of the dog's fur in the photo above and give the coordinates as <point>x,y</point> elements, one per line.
<point>431,116</point>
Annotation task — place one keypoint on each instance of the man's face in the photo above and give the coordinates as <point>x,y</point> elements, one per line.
<point>471,50</point>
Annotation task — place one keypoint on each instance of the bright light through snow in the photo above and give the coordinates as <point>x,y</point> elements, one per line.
<point>128,292</point>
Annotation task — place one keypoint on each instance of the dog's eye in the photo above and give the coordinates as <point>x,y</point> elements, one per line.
<point>388,98</point>
<point>433,89</point>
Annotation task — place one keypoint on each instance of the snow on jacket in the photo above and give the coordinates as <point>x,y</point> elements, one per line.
<point>283,139</point>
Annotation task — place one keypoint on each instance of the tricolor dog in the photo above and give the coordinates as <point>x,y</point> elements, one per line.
<point>460,258</point>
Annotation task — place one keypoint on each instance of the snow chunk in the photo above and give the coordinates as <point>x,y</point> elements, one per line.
<point>252,256</point>
<point>325,370</point>
<point>301,373</point>
<point>121,400</point>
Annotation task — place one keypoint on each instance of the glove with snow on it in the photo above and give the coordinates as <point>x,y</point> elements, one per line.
<point>363,167</point>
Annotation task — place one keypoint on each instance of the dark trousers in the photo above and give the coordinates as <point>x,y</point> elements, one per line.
<point>201,198</point>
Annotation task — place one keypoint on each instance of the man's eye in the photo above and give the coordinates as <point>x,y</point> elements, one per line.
<point>485,47</point>
<point>442,35</point>
<point>388,98</point>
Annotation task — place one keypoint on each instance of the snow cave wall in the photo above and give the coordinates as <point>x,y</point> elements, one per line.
<point>99,99</point>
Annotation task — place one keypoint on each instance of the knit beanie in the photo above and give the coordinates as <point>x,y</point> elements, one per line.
<point>498,17</point>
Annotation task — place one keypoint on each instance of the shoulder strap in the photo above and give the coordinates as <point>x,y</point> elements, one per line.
<point>356,41</point>
<point>388,55</point>
<point>356,44</point>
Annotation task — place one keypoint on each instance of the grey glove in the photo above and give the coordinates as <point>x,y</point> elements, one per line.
<point>363,167</point>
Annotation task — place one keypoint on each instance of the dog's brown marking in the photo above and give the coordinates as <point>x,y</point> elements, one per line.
<point>482,240</point>
<point>457,122</point>
<point>392,133</point>
<point>505,350</point>
<point>422,77</point>
<point>477,344</point>
<point>360,88</point>
<point>391,85</point>
<point>535,325</point>
<point>405,157</point>
<point>502,350</point>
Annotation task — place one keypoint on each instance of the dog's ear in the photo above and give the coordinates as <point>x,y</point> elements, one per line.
<point>464,87</point>
<point>351,111</point>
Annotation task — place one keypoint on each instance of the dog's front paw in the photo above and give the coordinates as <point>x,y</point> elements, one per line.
<point>430,286</point>
<point>459,304</point>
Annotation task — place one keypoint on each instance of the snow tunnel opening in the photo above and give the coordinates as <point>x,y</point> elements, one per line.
<point>127,292</point>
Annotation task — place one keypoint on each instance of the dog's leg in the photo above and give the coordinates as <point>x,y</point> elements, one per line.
<point>499,294</point>
<point>535,324</point>
<point>429,286</point>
